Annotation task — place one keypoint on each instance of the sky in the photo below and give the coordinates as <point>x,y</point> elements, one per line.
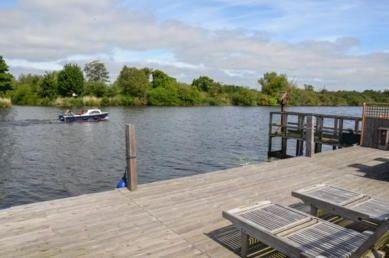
<point>329,44</point>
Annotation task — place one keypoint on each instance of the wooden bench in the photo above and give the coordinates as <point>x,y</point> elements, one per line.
<point>350,205</point>
<point>297,234</point>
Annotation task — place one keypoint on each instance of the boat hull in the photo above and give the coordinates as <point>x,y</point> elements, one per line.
<point>83,118</point>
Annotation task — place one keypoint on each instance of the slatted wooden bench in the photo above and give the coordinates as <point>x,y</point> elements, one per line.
<point>297,234</point>
<point>350,205</point>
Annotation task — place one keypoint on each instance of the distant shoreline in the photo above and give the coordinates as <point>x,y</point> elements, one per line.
<point>100,102</point>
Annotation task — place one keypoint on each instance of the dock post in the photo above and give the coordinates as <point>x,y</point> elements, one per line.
<point>340,132</point>
<point>270,136</point>
<point>132,171</point>
<point>300,129</point>
<point>284,132</point>
<point>310,137</point>
<point>319,133</point>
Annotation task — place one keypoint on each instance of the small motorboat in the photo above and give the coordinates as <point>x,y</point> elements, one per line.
<point>91,115</point>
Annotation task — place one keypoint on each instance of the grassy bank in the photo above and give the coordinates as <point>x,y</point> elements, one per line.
<point>5,103</point>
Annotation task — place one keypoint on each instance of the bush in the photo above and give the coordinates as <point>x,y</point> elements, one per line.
<point>265,100</point>
<point>162,97</point>
<point>97,89</point>
<point>189,96</point>
<point>105,101</point>
<point>23,95</point>
<point>5,103</point>
<point>244,98</point>
<point>69,102</point>
<point>126,101</point>
<point>91,101</point>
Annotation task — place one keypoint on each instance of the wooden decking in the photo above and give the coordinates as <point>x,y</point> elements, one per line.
<point>180,217</point>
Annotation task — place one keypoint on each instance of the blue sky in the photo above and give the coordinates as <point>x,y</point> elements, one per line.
<point>292,21</point>
<point>331,44</point>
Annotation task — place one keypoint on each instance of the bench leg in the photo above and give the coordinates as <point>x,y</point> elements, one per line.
<point>244,244</point>
<point>313,210</point>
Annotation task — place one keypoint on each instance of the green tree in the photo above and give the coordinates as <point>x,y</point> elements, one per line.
<point>98,89</point>
<point>161,79</point>
<point>5,77</point>
<point>48,85</point>
<point>70,80</point>
<point>133,82</point>
<point>96,71</point>
<point>274,84</point>
<point>204,83</point>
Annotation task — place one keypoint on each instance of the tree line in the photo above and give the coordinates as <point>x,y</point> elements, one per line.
<point>90,86</point>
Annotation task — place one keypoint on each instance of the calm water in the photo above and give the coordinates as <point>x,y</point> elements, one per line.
<point>42,159</point>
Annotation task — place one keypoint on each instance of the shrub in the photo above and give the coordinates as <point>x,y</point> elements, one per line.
<point>162,97</point>
<point>189,96</point>
<point>23,95</point>
<point>244,98</point>
<point>97,89</point>
<point>5,103</point>
<point>126,101</point>
<point>91,101</point>
<point>105,101</point>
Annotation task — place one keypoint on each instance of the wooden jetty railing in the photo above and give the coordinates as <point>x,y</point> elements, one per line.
<point>312,129</point>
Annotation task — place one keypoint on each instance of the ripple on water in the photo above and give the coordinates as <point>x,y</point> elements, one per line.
<point>43,159</point>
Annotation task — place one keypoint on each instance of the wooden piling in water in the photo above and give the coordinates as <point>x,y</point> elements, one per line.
<point>132,170</point>
<point>334,130</point>
<point>310,137</point>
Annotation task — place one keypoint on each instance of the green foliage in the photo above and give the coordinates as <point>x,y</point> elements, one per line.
<point>70,80</point>
<point>24,95</point>
<point>188,96</point>
<point>161,96</point>
<point>48,86</point>
<point>5,77</point>
<point>96,72</point>
<point>133,82</point>
<point>204,83</point>
<point>95,88</point>
<point>273,84</point>
<point>161,79</point>
<point>265,100</point>
<point>245,97</point>
<point>133,88</point>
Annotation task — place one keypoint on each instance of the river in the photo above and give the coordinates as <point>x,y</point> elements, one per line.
<point>43,159</point>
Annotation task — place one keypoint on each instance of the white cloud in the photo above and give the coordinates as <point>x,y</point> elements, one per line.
<point>46,34</point>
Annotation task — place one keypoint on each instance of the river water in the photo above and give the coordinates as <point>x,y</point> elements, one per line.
<point>42,158</point>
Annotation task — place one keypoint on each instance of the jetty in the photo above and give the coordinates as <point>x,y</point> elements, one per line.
<point>180,217</point>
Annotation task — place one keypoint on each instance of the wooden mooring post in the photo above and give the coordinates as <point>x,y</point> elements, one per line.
<point>310,137</point>
<point>132,170</point>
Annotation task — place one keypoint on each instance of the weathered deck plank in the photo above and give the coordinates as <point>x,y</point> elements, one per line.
<point>173,218</point>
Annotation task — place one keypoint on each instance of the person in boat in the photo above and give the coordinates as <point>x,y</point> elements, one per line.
<point>68,112</point>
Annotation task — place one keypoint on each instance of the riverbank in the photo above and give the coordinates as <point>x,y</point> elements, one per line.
<point>128,101</point>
